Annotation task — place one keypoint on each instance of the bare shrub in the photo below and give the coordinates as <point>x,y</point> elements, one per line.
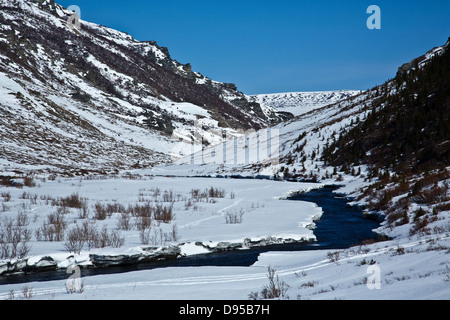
<point>234,217</point>
<point>144,236</point>
<point>115,239</point>
<point>71,201</point>
<point>115,208</point>
<point>211,192</point>
<point>28,181</point>
<point>83,212</point>
<point>75,240</point>
<point>174,233</point>
<point>156,236</point>
<point>195,193</point>
<point>432,195</point>
<point>163,213</point>
<point>11,295</point>
<point>6,196</point>
<point>188,204</point>
<point>276,289</point>
<point>143,222</point>
<point>58,223</point>
<point>14,240</point>
<point>141,210</point>
<point>168,196</point>
<point>102,238</point>
<point>156,193</point>
<point>99,211</point>
<point>22,219</point>
<point>442,207</point>
<point>420,225</point>
<point>216,193</point>
<point>27,292</point>
<point>87,234</point>
<point>334,256</point>
<point>124,222</point>
<point>397,218</point>
<point>50,232</point>
<point>90,234</point>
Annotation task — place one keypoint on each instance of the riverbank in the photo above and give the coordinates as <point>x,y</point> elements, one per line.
<point>147,217</point>
<point>339,226</point>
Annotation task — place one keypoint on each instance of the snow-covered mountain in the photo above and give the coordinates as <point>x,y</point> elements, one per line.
<point>301,102</point>
<point>324,145</point>
<point>92,98</point>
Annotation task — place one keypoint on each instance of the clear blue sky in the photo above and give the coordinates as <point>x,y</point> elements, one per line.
<point>268,46</point>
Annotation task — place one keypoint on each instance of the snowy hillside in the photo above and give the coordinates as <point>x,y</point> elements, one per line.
<point>304,147</point>
<point>94,98</point>
<point>299,103</point>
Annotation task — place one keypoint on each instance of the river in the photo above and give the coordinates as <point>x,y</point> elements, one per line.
<point>340,226</point>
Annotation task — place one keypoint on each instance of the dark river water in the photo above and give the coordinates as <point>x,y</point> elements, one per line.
<point>341,226</point>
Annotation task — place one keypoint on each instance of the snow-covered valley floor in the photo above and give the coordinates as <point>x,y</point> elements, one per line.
<point>405,268</point>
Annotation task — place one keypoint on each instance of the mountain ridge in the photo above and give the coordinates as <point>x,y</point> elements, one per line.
<point>114,92</point>
<point>388,147</point>
<point>301,102</point>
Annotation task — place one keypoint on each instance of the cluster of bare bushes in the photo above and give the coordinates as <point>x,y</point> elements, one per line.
<point>87,235</point>
<point>14,237</point>
<point>211,192</point>
<point>395,195</point>
<point>156,236</point>
<point>234,216</point>
<point>154,206</point>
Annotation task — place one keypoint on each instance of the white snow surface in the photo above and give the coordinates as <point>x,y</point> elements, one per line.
<point>410,268</point>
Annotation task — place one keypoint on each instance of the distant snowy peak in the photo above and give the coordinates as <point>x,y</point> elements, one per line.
<point>299,103</point>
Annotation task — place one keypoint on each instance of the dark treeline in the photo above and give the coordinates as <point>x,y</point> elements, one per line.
<point>407,129</point>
